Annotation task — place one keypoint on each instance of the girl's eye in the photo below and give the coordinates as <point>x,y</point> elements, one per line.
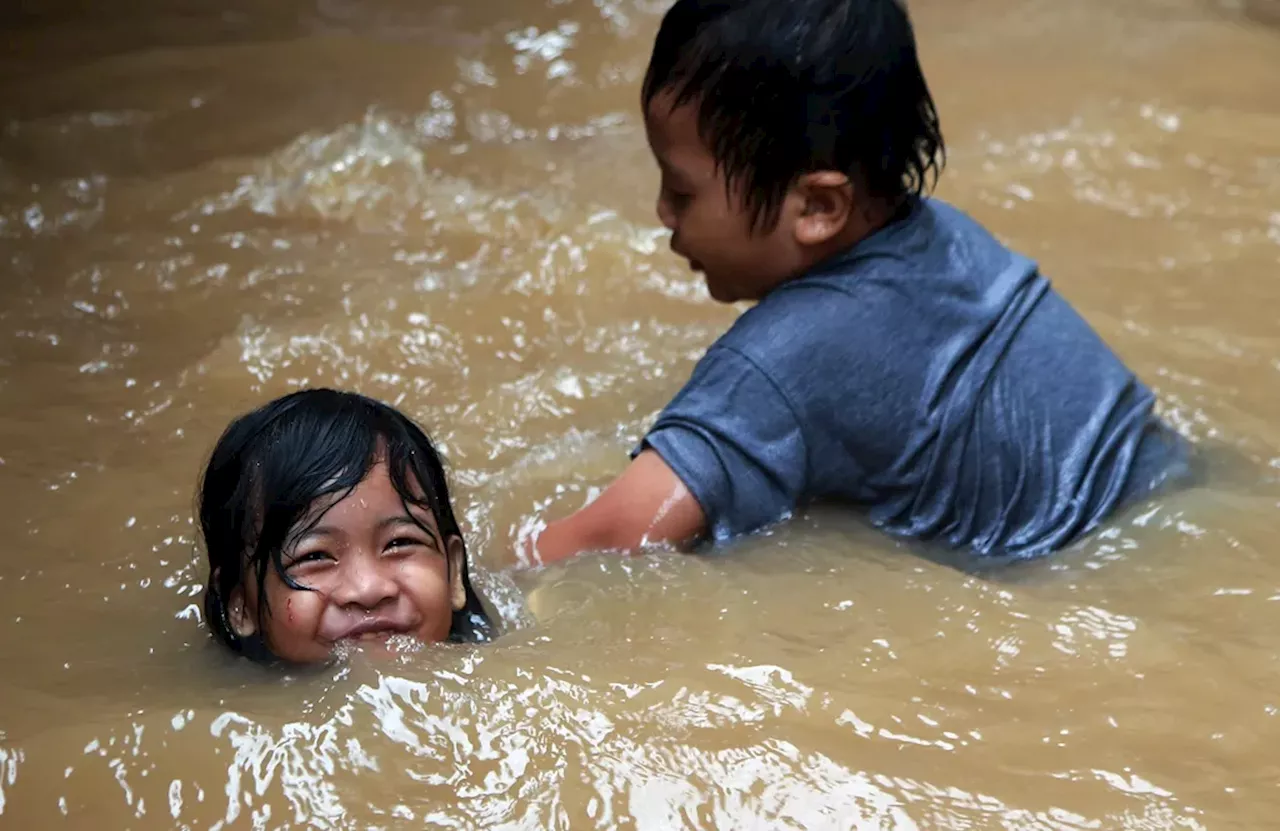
<point>404,543</point>
<point>310,557</point>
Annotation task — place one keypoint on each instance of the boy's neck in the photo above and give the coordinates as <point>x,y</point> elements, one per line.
<point>871,216</point>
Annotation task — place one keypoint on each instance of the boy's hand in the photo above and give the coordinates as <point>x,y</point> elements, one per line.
<point>647,504</point>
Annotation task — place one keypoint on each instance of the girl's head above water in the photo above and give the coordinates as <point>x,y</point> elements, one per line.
<point>326,519</point>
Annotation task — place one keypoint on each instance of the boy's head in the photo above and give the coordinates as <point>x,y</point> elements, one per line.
<point>786,130</point>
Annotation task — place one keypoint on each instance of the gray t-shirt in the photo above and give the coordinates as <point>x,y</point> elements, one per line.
<point>931,376</point>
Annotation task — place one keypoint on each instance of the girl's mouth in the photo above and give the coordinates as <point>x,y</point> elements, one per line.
<point>374,635</point>
<point>374,629</point>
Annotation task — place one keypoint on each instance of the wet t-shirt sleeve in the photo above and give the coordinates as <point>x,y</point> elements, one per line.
<point>734,440</point>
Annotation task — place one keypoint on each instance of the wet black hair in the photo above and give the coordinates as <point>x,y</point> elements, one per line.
<point>788,87</point>
<point>271,465</point>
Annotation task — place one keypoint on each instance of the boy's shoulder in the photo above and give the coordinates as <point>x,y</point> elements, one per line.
<point>908,274</point>
<point>932,239</point>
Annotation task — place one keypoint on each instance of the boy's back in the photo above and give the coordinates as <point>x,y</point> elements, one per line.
<point>899,357</point>
<point>929,374</point>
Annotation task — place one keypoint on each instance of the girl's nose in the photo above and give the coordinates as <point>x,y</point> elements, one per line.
<point>365,581</point>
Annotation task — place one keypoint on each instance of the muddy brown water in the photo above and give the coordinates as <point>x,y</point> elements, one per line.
<point>448,205</point>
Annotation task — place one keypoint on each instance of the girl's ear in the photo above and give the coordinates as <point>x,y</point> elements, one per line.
<point>239,615</point>
<point>457,553</point>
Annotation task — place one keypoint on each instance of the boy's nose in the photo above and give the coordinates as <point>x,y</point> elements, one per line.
<point>665,215</point>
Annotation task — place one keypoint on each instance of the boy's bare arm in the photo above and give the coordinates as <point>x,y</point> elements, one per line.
<point>647,504</point>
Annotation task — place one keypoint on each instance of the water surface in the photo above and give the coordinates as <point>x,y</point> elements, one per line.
<point>449,206</point>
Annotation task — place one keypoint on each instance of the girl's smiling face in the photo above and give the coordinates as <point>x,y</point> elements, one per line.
<point>371,566</point>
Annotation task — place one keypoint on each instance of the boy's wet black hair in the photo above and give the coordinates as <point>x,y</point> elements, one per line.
<point>269,468</point>
<point>788,87</point>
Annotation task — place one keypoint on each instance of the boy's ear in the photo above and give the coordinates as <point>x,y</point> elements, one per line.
<point>241,618</point>
<point>457,553</point>
<point>828,205</point>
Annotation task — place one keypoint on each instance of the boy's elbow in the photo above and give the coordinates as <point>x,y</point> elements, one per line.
<point>647,505</point>
<point>679,526</point>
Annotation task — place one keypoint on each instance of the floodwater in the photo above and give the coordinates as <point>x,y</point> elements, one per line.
<point>449,206</point>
